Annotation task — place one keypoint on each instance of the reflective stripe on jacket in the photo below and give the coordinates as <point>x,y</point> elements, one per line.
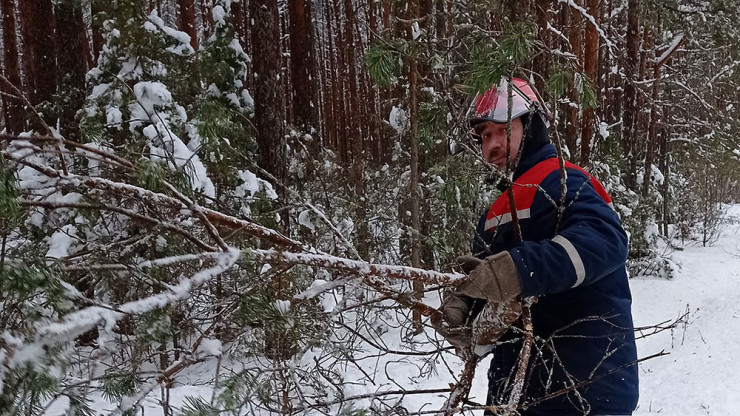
<point>582,318</point>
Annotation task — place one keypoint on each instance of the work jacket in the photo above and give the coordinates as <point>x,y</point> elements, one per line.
<point>572,258</point>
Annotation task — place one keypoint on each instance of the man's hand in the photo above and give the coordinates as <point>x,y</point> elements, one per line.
<point>455,326</point>
<point>494,278</point>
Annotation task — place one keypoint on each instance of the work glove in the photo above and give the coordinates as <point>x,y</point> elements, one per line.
<point>455,321</point>
<point>494,278</point>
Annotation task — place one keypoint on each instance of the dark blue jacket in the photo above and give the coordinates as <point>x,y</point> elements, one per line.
<point>582,319</point>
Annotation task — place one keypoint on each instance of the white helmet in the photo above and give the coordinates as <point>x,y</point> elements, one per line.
<point>492,105</point>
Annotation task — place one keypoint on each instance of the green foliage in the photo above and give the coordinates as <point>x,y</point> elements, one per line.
<point>198,406</point>
<point>79,406</point>
<point>586,90</point>
<point>512,50</point>
<point>118,383</point>
<point>10,212</point>
<point>558,82</point>
<point>154,326</point>
<point>432,123</point>
<point>25,389</point>
<point>150,175</point>
<point>562,79</point>
<point>263,309</point>
<point>384,60</point>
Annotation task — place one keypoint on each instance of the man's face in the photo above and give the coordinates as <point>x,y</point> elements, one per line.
<point>494,141</point>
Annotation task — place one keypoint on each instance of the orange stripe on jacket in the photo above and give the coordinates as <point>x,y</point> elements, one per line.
<point>525,188</point>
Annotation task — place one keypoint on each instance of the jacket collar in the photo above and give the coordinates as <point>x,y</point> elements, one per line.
<point>545,152</point>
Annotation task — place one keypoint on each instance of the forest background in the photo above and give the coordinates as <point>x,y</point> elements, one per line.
<point>195,180</point>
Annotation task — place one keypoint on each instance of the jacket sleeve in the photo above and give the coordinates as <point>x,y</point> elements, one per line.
<point>589,244</point>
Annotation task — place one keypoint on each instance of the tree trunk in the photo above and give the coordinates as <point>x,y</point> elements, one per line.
<point>301,64</point>
<point>576,41</point>
<point>591,68</point>
<point>269,109</point>
<point>414,195</point>
<point>72,63</point>
<point>97,28</point>
<point>652,131</point>
<point>340,87</point>
<point>39,49</point>
<point>206,13</point>
<point>239,16</point>
<point>12,107</point>
<point>631,70</point>
<point>269,114</point>
<point>542,61</point>
<point>186,20</point>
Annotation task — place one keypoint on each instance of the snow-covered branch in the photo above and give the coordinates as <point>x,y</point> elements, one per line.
<point>428,277</point>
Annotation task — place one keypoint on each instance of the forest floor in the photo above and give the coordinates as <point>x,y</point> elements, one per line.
<point>700,374</point>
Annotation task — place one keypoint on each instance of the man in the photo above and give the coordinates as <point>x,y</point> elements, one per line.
<point>568,253</point>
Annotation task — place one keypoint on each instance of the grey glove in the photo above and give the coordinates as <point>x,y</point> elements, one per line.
<point>494,278</point>
<point>455,326</point>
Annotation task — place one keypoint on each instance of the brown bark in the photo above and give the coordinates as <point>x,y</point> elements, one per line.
<point>285,73</point>
<point>652,131</point>
<point>370,92</point>
<point>340,86</point>
<point>354,130</point>
<point>655,114</point>
<point>12,107</point>
<point>414,195</point>
<point>440,21</point>
<point>269,109</point>
<point>271,143</point>
<point>301,64</point>
<point>39,49</point>
<point>631,69</point>
<point>186,20</point>
<point>238,14</point>
<point>576,41</point>
<point>591,68</point>
<point>206,13</point>
<point>330,85</point>
<point>97,28</point>
<point>72,63</point>
<point>542,61</point>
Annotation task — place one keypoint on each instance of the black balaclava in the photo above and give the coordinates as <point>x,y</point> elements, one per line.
<point>537,135</point>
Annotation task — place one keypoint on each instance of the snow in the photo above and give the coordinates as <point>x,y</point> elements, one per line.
<point>415,30</point>
<point>219,15</point>
<point>697,377</point>
<point>399,120</point>
<point>251,185</point>
<point>113,117</point>
<point>304,218</point>
<point>209,347</point>
<point>183,48</point>
<point>674,44</point>
<point>164,144</point>
<point>61,242</point>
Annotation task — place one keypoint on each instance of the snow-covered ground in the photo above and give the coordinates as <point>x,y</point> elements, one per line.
<point>700,374</point>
